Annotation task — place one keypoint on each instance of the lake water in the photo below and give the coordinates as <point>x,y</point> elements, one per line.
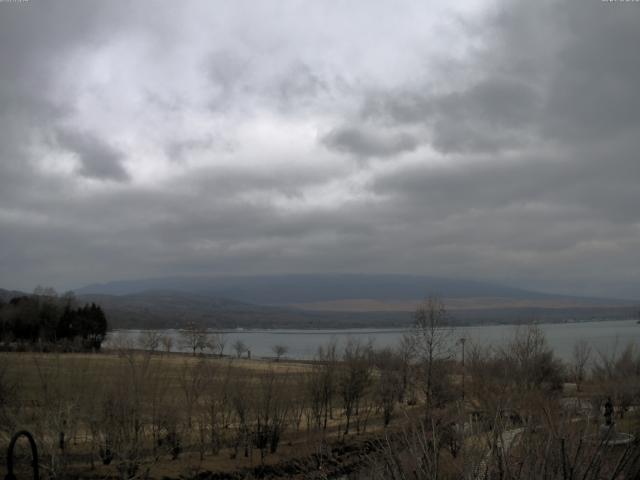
<point>603,336</point>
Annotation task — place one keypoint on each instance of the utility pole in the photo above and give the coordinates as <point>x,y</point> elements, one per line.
<point>462,342</point>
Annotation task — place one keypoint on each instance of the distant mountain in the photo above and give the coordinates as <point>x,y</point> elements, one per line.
<point>295,289</point>
<point>6,295</point>
<point>330,301</point>
<point>174,309</point>
<point>327,301</point>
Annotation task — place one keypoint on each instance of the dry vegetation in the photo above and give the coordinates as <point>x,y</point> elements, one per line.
<point>131,414</point>
<point>410,412</point>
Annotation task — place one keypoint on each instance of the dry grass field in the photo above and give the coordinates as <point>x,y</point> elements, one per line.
<point>166,415</point>
<point>361,412</point>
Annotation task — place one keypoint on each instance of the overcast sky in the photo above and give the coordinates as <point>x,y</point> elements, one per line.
<point>492,140</point>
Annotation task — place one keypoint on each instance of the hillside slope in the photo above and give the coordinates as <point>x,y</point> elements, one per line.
<point>291,289</point>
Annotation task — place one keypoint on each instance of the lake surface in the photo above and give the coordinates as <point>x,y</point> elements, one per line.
<point>604,336</point>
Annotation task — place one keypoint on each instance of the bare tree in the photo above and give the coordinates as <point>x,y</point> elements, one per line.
<point>531,360</point>
<point>192,381</point>
<point>121,342</point>
<point>389,384</point>
<point>242,400</point>
<point>580,359</point>
<point>194,337</point>
<point>432,339</point>
<point>124,416</point>
<point>298,399</point>
<point>619,376</point>
<point>355,378</point>
<point>216,404</point>
<point>217,343</point>
<point>167,343</point>
<point>60,395</point>
<point>556,449</point>
<point>322,385</point>
<point>157,400</point>
<point>8,397</point>
<point>406,352</point>
<point>240,347</point>
<point>270,411</point>
<point>149,340</point>
<point>279,351</point>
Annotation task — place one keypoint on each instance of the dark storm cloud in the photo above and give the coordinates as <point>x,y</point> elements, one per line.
<point>223,141</point>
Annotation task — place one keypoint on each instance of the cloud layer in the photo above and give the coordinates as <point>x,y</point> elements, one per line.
<point>496,141</point>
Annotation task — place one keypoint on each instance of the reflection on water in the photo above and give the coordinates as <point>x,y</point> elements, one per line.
<point>604,337</point>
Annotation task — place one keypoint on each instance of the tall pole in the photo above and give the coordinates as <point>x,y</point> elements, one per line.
<point>462,341</point>
<point>462,409</point>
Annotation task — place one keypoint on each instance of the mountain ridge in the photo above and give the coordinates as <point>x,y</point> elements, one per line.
<point>308,288</point>
<point>163,308</point>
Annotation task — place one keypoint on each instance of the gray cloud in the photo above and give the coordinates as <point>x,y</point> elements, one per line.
<point>97,158</point>
<point>300,82</point>
<point>493,114</point>
<point>593,91</point>
<point>363,143</point>
<point>500,144</point>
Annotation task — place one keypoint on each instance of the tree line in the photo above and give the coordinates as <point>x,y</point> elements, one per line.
<point>46,320</point>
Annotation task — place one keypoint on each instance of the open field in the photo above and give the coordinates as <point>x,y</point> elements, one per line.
<point>170,415</point>
<point>359,412</point>
<point>455,304</point>
<point>31,369</point>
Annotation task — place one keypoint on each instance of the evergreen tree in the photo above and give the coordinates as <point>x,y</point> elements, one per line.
<point>49,318</point>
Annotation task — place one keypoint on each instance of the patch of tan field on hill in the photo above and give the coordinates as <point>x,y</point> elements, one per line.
<point>471,303</point>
